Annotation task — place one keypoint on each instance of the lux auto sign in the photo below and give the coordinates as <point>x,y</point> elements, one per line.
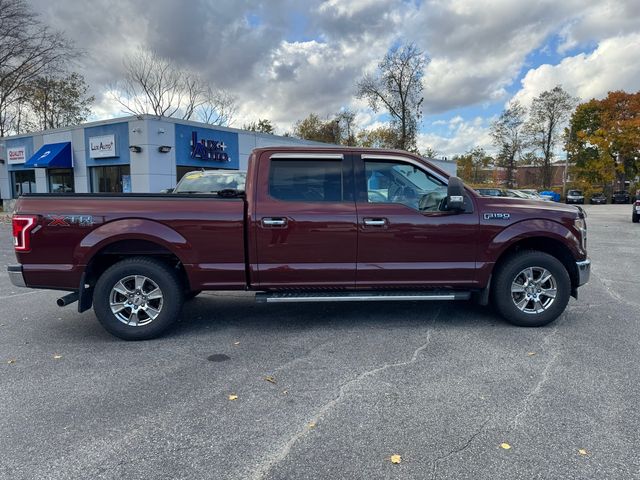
<point>208,149</point>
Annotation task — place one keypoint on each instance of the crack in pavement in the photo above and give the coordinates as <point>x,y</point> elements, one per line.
<point>263,470</point>
<point>616,296</point>
<point>434,470</point>
<point>544,375</point>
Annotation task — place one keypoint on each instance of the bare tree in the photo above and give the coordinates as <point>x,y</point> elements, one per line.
<point>193,94</point>
<point>218,107</point>
<point>548,113</point>
<point>157,86</point>
<point>397,87</point>
<point>151,85</point>
<point>27,50</point>
<point>508,135</point>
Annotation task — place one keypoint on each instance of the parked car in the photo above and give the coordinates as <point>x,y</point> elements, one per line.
<point>574,196</point>
<point>620,196</point>
<point>211,181</point>
<point>314,224</point>
<point>509,192</point>
<point>635,214</point>
<point>533,194</point>
<point>490,192</point>
<point>598,199</point>
<point>551,195</point>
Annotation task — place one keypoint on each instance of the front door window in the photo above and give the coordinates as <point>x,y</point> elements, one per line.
<point>395,182</point>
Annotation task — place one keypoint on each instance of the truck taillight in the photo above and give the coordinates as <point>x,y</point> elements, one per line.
<point>22,227</point>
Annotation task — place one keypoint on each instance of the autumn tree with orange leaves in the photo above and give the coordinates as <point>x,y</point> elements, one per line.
<point>603,139</point>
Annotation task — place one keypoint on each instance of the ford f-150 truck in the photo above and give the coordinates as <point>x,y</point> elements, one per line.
<point>312,224</point>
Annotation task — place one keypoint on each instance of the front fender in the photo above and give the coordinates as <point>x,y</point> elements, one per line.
<point>533,228</point>
<point>132,229</point>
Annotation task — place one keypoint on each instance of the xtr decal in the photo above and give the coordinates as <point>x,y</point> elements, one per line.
<point>68,220</point>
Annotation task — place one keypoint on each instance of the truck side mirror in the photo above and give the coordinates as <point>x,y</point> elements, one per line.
<point>455,194</point>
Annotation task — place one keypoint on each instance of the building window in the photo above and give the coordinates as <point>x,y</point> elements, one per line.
<point>24,181</point>
<point>111,179</point>
<point>61,180</point>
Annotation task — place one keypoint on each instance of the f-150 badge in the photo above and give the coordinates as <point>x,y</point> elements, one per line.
<point>497,216</point>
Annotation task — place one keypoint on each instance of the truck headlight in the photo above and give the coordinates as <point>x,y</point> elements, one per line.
<point>581,226</point>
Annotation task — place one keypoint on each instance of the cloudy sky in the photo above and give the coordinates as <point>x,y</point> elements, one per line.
<point>284,58</point>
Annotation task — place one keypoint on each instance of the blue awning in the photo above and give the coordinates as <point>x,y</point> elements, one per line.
<point>52,155</point>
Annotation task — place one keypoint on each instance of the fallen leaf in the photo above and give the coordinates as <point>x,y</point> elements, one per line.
<point>233,396</point>
<point>396,458</point>
<point>270,379</point>
<point>236,343</point>
<point>312,424</point>
<point>505,446</point>
<point>11,361</point>
<point>531,354</point>
<point>582,451</point>
<point>57,357</point>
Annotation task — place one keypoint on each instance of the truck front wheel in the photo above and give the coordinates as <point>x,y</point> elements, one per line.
<point>138,298</point>
<point>531,289</point>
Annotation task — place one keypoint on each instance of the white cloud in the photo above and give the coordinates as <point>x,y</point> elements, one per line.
<point>479,48</point>
<point>464,135</point>
<point>294,58</point>
<point>613,65</point>
<point>603,19</point>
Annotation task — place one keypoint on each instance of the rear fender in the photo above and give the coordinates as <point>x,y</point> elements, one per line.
<point>133,229</point>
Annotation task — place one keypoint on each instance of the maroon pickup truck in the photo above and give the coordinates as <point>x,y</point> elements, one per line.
<point>312,224</point>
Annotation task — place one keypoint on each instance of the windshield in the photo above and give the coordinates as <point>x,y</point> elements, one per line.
<point>575,192</point>
<point>207,182</point>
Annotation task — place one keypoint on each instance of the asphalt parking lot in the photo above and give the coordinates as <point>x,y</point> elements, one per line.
<point>330,390</point>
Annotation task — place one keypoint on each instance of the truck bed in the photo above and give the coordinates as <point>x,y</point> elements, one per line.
<point>205,232</point>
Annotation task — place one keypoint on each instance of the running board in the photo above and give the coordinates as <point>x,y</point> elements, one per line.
<point>385,296</point>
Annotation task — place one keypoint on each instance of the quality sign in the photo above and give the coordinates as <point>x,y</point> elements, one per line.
<point>16,155</point>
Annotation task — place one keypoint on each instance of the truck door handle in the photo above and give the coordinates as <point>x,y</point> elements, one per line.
<point>274,222</point>
<point>375,222</point>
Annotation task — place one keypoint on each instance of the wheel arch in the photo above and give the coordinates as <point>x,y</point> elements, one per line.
<point>113,252</point>
<point>551,246</point>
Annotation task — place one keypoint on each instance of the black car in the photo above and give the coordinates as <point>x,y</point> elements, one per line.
<point>598,199</point>
<point>621,196</point>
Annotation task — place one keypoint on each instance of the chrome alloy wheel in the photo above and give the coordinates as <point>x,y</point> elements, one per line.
<point>136,300</point>
<point>533,290</point>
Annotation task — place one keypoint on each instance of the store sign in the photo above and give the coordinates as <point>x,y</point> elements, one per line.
<point>102,147</point>
<point>16,155</point>
<point>208,149</point>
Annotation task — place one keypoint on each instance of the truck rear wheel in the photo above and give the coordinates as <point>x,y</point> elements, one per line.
<point>138,298</point>
<point>531,289</point>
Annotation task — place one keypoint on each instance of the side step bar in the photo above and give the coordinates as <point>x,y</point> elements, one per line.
<point>385,296</point>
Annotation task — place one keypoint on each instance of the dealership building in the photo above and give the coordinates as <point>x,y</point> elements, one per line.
<point>129,154</point>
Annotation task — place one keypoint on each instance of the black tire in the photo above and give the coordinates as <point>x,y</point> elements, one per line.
<point>635,217</point>
<point>168,306</point>
<point>512,270</point>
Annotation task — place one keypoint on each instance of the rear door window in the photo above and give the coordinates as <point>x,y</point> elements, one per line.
<point>306,180</point>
